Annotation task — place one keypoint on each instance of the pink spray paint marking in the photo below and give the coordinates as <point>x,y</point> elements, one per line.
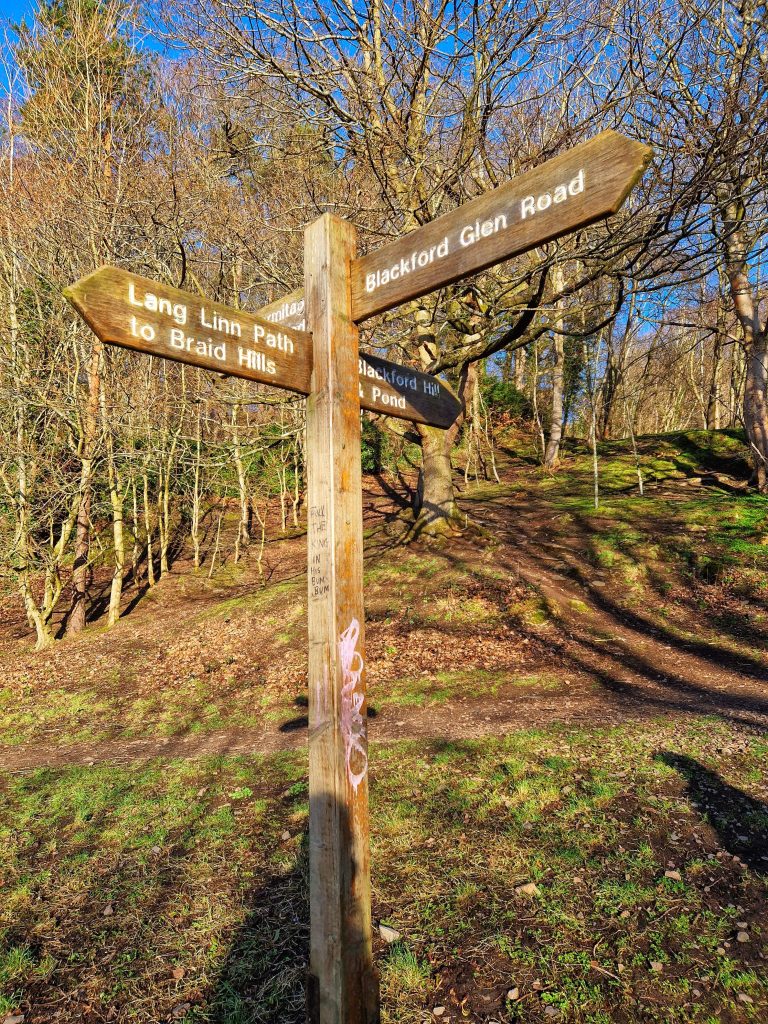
<point>352,724</point>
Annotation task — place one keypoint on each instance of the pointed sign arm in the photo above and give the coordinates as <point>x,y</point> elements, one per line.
<point>134,312</point>
<point>576,188</point>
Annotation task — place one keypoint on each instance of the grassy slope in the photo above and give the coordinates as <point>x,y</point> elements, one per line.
<point>176,889</point>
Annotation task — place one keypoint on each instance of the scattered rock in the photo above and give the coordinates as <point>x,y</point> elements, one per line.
<point>178,973</point>
<point>388,934</point>
<point>742,925</point>
<point>14,1018</point>
<point>537,986</point>
<point>108,911</point>
<point>721,950</point>
<point>625,914</point>
<point>529,889</point>
<point>285,836</point>
<point>674,875</point>
<point>744,998</point>
<point>552,1012</point>
<point>439,1011</point>
<point>156,850</point>
<point>657,966</point>
<point>742,937</point>
<point>696,992</point>
<point>513,995</point>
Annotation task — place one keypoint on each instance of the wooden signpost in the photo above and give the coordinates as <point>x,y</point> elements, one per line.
<point>308,343</point>
<point>134,312</point>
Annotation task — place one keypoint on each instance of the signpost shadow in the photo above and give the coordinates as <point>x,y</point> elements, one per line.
<point>265,974</point>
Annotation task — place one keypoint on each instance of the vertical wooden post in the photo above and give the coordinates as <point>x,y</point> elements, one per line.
<point>343,986</point>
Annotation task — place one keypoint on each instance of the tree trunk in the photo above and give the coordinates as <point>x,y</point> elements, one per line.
<point>552,451</point>
<point>438,513</point>
<point>713,396</point>
<point>521,355</point>
<point>756,409</point>
<point>118,534</point>
<point>243,526</point>
<point>436,510</point>
<point>148,532</point>
<point>164,515</point>
<point>755,342</point>
<point>136,550</point>
<point>117,503</point>
<point>80,568</point>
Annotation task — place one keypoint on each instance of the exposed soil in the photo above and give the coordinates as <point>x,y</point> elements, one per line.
<point>613,663</point>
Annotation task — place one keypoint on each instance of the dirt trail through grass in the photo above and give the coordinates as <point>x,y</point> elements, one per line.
<point>611,661</point>
<point>569,801</point>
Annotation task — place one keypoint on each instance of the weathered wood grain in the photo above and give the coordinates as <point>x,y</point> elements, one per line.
<point>134,312</point>
<point>385,387</point>
<point>578,187</point>
<point>343,986</point>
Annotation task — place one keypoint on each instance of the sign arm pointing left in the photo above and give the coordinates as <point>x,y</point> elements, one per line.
<point>134,312</point>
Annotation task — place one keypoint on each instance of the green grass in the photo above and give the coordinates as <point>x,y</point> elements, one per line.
<point>190,863</point>
<point>97,712</point>
<point>441,687</point>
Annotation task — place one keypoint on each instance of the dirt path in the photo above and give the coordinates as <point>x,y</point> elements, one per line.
<point>613,664</point>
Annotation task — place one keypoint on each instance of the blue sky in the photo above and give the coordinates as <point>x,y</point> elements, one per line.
<point>14,10</point>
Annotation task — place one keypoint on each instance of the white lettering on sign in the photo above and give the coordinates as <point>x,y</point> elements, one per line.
<point>271,339</point>
<point>396,377</point>
<point>213,321</point>
<point>386,398</point>
<point>470,234</point>
<point>255,360</point>
<point>201,347</point>
<point>407,265</point>
<point>293,311</point>
<point>145,331</point>
<point>482,229</point>
<point>155,304</point>
<point>531,204</point>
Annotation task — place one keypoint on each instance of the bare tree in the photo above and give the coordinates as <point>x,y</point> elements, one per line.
<point>698,72</point>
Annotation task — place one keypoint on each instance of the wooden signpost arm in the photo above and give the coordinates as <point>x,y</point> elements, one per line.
<point>343,986</point>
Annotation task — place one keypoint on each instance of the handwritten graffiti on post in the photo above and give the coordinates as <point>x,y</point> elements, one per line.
<point>352,723</point>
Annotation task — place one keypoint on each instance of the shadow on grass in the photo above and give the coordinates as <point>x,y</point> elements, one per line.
<point>739,819</point>
<point>265,978</point>
<point>264,975</point>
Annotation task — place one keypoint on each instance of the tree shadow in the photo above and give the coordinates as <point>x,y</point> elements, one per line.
<point>740,820</point>
<point>585,553</point>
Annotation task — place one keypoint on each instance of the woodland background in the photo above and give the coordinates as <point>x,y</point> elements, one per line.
<point>192,142</point>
